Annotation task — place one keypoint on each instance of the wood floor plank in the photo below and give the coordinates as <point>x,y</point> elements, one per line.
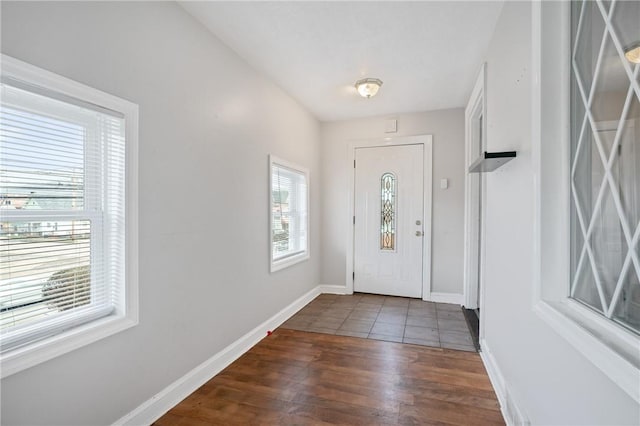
<point>447,412</point>
<point>304,378</point>
<point>315,409</point>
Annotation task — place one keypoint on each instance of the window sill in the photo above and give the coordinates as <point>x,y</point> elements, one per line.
<point>614,351</point>
<point>289,261</point>
<point>38,352</point>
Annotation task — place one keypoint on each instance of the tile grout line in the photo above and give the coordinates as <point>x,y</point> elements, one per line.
<point>404,328</point>
<point>376,319</point>
<point>344,320</point>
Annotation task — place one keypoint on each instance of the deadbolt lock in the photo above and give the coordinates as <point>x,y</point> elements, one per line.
<point>418,222</point>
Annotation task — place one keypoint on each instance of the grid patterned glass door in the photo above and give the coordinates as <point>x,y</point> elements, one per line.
<point>605,159</point>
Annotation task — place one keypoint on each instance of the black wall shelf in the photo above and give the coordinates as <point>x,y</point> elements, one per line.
<point>489,161</point>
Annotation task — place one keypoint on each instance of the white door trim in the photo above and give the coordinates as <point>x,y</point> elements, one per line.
<point>472,231</point>
<point>427,142</point>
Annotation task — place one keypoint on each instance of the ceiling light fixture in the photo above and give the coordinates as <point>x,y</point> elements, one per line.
<point>368,87</point>
<point>632,53</point>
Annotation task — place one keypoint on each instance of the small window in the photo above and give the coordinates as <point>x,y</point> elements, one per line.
<point>289,213</point>
<point>63,213</point>
<point>388,212</point>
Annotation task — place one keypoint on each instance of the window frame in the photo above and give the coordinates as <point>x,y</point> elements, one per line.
<point>90,213</point>
<point>607,345</point>
<point>279,264</point>
<point>126,313</point>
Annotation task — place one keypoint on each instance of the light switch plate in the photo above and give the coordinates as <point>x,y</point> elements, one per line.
<point>444,183</point>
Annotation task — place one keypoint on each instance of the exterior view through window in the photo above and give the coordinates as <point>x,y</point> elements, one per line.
<point>289,214</point>
<point>62,223</point>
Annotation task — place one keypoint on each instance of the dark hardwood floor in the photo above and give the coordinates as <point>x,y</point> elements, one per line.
<point>295,378</point>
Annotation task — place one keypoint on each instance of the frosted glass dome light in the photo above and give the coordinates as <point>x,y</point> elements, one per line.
<point>368,87</point>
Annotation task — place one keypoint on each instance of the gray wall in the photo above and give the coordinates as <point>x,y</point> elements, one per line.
<point>550,380</point>
<point>447,128</point>
<point>207,124</point>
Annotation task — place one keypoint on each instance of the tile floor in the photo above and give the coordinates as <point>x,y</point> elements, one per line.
<point>394,319</point>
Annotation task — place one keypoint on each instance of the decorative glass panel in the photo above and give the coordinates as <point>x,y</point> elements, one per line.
<point>605,166</point>
<point>388,212</point>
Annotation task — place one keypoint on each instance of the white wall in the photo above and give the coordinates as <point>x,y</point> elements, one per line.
<point>552,382</point>
<point>447,128</point>
<point>207,123</point>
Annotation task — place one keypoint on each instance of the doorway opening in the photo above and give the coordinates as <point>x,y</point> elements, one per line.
<point>475,146</point>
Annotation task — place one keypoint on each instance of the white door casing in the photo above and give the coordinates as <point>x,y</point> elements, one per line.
<point>427,142</point>
<point>475,144</point>
<point>389,262</point>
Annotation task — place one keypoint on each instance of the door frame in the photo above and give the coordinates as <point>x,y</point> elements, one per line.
<point>427,142</point>
<point>473,231</point>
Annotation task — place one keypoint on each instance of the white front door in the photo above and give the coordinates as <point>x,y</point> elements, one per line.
<point>389,215</point>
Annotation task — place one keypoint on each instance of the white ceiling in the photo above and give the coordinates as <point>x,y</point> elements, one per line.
<point>427,54</point>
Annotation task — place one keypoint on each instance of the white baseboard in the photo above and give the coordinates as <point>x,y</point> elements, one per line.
<point>152,409</point>
<point>333,289</point>
<point>455,298</point>
<point>511,411</point>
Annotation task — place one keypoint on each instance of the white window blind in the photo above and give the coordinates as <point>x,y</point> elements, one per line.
<point>289,213</point>
<point>62,213</point>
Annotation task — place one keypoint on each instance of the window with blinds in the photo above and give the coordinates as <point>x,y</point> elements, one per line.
<point>62,213</point>
<point>289,217</point>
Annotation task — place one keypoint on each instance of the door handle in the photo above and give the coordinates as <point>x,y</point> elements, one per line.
<point>419,233</point>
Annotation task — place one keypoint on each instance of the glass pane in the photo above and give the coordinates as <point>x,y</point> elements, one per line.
<point>281,216</point>
<point>280,224</point>
<point>625,20</point>
<point>388,212</point>
<point>589,41</point>
<point>588,176</point>
<point>579,123</point>
<point>610,94</point>
<point>626,165</point>
<point>608,245</point>
<point>44,269</point>
<point>288,212</point>
<point>586,290</point>
<point>42,156</point>
<point>577,241</point>
<point>627,309</point>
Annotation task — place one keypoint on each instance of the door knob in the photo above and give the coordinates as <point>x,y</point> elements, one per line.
<point>419,233</point>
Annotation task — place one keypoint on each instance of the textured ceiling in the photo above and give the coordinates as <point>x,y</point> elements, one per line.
<point>427,54</point>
